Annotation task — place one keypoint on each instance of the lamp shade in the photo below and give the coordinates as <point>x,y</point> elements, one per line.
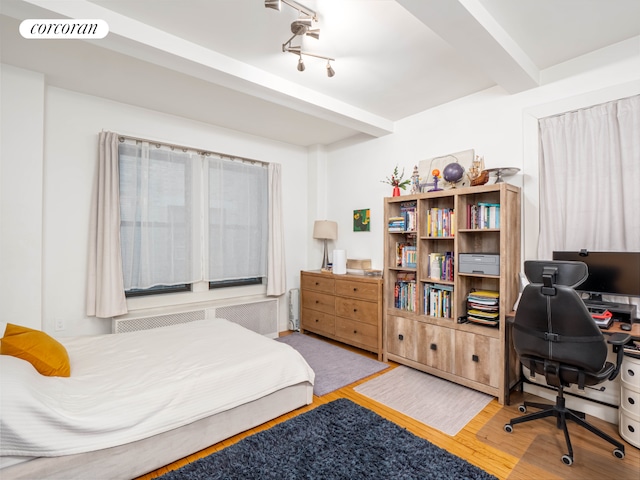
<point>325,230</point>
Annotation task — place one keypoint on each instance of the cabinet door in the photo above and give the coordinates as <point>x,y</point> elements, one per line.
<point>401,339</point>
<point>318,322</point>
<point>478,358</point>
<point>435,346</point>
<point>360,310</point>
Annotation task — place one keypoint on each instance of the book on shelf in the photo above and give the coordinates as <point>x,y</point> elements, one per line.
<point>440,222</point>
<point>408,211</point>
<point>406,255</point>
<point>483,215</point>
<point>437,300</point>
<point>440,266</point>
<point>396,224</point>
<point>405,293</point>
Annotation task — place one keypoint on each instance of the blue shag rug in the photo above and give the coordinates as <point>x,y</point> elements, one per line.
<point>337,440</point>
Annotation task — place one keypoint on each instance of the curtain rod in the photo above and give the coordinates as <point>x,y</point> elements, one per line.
<point>173,146</point>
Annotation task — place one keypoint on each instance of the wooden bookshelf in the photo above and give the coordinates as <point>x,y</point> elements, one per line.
<point>423,331</point>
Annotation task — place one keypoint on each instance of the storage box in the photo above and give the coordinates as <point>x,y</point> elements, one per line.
<point>357,264</point>
<point>482,263</point>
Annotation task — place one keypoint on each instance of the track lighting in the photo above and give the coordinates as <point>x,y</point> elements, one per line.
<point>330,71</point>
<point>301,28</point>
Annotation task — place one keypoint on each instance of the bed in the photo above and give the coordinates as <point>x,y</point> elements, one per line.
<point>137,401</point>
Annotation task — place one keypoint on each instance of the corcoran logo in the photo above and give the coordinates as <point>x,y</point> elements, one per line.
<point>63,29</point>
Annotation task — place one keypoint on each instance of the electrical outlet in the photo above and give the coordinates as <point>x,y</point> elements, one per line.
<point>59,324</point>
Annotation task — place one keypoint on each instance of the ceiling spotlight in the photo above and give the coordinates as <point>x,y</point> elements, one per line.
<point>300,28</point>
<point>275,4</point>
<point>330,71</point>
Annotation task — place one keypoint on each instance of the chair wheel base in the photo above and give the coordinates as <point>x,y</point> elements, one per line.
<point>509,428</point>
<point>567,459</point>
<point>618,453</point>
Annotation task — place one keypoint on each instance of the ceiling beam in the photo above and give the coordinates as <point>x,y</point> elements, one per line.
<point>138,40</point>
<point>473,32</point>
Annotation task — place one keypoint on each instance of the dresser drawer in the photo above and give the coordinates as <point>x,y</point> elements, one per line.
<point>318,283</point>
<point>360,310</point>
<point>361,290</point>
<point>357,332</point>
<point>318,301</point>
<point>318,321</point>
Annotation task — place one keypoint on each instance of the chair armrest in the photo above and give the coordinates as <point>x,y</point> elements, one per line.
<point>618,338</point>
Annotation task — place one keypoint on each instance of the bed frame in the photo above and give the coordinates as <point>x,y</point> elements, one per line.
<point>143,456</point>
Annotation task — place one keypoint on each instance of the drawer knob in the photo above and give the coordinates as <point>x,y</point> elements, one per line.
<point>355,331</point>
<point>433,346</point>
<point>631,429</point>
<point>400,337</point>
<point>475,358</point>
<point>355,289</point>
<point>355,310</point>
<point>631,400</point>
<point>317,320</point>
<point>631,372</point>
<point>317,301</point>
<point>317,283</point>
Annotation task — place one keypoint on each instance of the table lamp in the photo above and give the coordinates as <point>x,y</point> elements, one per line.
<point>325,230</point>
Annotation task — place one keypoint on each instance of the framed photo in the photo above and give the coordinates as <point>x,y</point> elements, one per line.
<point>425,167</point>
<point>361,219</point>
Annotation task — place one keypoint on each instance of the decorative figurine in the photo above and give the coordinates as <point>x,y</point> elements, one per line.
<point>436,175</point>
<point>415,180</point>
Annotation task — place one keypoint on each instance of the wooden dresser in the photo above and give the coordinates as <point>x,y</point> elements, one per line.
<point>346,308</point>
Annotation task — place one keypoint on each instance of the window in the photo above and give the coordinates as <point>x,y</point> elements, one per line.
<point>169,240</point>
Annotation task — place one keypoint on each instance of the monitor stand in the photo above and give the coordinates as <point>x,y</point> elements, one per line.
<point>622,312</point>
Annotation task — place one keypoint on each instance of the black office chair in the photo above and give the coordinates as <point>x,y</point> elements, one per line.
<point>555,336</point>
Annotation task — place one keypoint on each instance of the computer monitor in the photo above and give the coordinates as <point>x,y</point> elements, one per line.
<point>610,273</point>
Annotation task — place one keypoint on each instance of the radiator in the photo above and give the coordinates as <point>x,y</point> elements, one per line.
<point>260,317</point>
<point>294,309</point>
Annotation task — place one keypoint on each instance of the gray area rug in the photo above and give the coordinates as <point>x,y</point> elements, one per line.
<point>337,440</point>
<point>433,401</point>
<point>334,367</point>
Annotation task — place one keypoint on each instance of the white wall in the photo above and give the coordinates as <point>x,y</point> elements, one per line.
<point>54,199</point>
<point>21,176</point>
<point>500,127</point>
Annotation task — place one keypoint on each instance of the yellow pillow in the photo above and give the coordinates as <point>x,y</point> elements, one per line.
<point>46,354</point>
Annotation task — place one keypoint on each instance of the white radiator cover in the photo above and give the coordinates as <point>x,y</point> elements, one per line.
<point>258,316</point>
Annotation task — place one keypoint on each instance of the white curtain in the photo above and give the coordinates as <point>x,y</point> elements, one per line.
<point>105,288</point>
<point>160,215</point>
<point>590,179</point>
<point>276,277</point>
<point>238,219</point>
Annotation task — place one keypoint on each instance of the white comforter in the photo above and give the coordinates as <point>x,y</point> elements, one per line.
<point>130,386</point>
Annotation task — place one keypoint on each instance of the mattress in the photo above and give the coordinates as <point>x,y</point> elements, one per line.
<point>130,386</point>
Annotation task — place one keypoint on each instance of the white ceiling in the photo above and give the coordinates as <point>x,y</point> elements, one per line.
<point>221,61</point>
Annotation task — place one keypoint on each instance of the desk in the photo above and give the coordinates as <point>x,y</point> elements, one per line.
<point>615,328</point>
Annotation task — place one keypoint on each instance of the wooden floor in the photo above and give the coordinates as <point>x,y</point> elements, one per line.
<point>532,451</point>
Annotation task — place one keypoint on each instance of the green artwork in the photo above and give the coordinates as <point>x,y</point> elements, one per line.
<point>361,220</point>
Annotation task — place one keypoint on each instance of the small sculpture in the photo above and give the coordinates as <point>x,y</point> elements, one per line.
<point>436,175</point>
<point>415,180</point>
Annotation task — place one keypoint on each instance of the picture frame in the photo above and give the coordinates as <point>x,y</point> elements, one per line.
<point>361,220</point>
